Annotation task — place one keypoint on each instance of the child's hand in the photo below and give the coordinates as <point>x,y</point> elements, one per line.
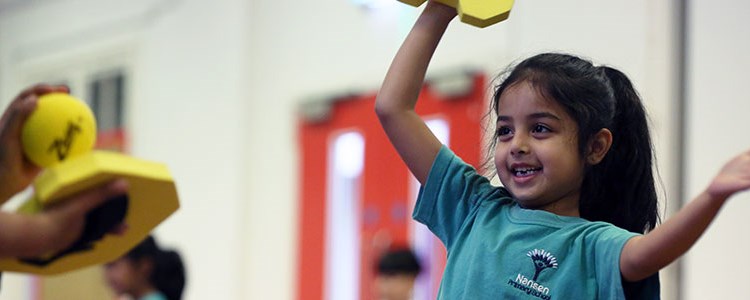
<point>16,171</point>
<point>734,177</point>
<point>61,224</point>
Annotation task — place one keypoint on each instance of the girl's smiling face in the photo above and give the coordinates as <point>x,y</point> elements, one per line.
<point>537,155</point>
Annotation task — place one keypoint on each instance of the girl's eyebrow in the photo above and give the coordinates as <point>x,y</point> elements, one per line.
<point>534,116</point>
<point>543,115</point>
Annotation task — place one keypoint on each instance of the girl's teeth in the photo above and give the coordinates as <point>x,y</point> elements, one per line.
<point>523,172</point>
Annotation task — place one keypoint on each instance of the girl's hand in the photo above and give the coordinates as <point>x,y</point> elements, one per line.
<point>16,171</point>
<point>61,224</point>
<point>734,177</point>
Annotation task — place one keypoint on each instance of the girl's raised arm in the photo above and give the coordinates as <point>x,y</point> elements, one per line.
<point>397,98</point>
<point>647,254</point>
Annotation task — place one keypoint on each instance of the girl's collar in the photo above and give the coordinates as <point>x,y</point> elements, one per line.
<point>518,214</point>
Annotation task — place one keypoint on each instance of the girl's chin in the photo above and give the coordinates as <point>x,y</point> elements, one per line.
<point>530,200</point>
<point>527,202</point>
<point>522,196</point>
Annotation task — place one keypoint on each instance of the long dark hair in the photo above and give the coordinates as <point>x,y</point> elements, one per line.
<point>168,272</point>
<point>620,189</point>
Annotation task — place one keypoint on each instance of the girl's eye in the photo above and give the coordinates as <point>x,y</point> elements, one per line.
<point>540,128</point>
<point>503,131</point>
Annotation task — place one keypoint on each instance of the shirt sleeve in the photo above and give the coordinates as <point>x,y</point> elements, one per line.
<point>453,192</point>
<point>609,247</point>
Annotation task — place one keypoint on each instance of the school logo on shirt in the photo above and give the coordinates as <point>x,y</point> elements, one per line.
<point>542,260</point>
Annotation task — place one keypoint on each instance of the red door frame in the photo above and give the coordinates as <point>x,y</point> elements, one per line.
<point>385,179</point>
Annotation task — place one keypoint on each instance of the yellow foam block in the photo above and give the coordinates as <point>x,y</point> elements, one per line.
<point>480,13</point>
<point>152,198</point>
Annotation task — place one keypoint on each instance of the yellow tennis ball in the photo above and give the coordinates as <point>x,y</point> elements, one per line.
<point>59,128</point>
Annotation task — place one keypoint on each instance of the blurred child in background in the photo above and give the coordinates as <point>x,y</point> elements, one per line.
<point>396,272</point>
<point>147,272</point>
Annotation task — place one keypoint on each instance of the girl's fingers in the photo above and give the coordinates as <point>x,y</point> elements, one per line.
<point>22,106</point>
<point>41,89</point>
<point>85,201</point>
<point>120,229</point>
<point>17,114</point>
<point>97,196</point>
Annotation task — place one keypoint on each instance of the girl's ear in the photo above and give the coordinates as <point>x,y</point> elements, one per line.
<point>144,267</point>
<point>599,146</point>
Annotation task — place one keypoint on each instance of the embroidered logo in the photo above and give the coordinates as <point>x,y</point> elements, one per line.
<point>542,260</point>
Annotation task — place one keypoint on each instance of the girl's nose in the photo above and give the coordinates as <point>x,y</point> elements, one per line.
<point>519,145</point>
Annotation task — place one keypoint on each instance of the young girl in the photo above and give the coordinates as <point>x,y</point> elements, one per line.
<point>147,272</point>
<point>573,152</point>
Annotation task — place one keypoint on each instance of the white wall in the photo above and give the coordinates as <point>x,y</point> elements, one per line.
<point>719,103</point>
<point>186,107</point>
<point>216,87</point>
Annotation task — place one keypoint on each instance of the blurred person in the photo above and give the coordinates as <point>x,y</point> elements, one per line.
<point>396,272</point>
<point>147,272</point>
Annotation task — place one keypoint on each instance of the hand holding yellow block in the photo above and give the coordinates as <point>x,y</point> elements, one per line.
<point>480,13</point>
<point>151,198</point>
<point>59,136</point>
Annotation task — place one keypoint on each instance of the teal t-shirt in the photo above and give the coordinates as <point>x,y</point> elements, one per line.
<point>498,250</point>
<point>154,296</point>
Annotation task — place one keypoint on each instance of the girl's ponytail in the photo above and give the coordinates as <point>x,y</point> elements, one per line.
<point>623,181</point>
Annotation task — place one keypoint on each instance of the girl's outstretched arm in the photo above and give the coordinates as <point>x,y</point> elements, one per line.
<point>644,255</point>
<point>397,98</point>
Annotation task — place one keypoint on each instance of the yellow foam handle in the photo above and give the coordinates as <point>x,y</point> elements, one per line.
<point>480,13</point>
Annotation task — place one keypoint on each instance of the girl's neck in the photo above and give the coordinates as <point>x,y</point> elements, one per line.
<point>562,210</point>
<point>563,207</point>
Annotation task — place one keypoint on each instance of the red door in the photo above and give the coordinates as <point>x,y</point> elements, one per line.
<point>357,195</point>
